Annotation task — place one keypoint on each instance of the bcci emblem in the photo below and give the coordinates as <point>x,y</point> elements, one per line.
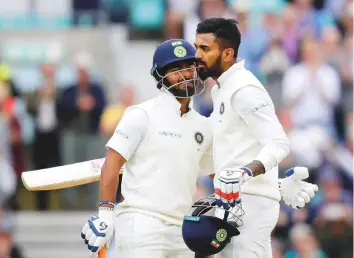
<point>180,51</point>
<point>222,108</point>
<point>221,235</point>
<point>199,138</point>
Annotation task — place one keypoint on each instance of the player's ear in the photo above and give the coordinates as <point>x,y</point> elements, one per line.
<point>228,55</point>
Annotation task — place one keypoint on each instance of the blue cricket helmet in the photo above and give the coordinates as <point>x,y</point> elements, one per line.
<point>173,53</point>
<point>207,229</point>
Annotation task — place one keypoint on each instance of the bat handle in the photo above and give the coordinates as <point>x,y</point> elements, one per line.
<point>103,252</point>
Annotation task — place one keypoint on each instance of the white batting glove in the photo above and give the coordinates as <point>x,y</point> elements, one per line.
<point>228,186</point>
<point>98,230</point>
<point>294,191</point>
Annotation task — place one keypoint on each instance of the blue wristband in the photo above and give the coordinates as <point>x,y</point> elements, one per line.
<point>107,202</point>
<point>249,172</point>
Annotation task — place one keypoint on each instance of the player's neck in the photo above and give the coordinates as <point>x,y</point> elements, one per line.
<point>224,68</point>
<point>227,66</point>
<point>184,104</point>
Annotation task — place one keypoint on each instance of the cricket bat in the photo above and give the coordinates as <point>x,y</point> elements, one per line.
<point>63,176</point>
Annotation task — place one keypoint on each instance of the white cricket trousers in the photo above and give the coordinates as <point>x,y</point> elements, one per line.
<point>141,236</point>
<point>260,218</point>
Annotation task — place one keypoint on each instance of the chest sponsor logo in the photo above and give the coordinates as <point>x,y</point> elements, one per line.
<point>170,134</point>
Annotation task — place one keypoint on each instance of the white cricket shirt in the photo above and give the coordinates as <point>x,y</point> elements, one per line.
<point>165,153</point>
<point>246,128</point>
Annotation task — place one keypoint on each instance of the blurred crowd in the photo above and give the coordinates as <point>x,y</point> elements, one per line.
<point>301,50</point>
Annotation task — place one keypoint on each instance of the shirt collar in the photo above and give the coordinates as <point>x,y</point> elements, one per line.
<point>170,101</point>
<point>240,64</point>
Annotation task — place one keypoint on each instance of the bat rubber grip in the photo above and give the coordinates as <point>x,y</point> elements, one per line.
<point>103,252</point>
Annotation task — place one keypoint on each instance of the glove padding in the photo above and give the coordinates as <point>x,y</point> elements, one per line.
<point>98,230</point>
<point>294,191</point>
<point>228,186</point>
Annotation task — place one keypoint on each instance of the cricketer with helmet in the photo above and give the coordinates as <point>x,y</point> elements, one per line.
<point>164,143</point>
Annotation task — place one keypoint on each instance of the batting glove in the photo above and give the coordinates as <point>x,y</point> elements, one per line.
<point>98,230</point>
<point>228,186</point>
<point>294,191</point>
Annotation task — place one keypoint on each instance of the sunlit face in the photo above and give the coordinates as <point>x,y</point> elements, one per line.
<point>183,80</point>
<point>209,53</point>
<point>181,73</point>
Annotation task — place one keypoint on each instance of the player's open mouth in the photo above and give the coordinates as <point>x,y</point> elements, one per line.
<point>188,85</point>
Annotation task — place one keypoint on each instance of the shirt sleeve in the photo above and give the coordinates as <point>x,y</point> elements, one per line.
<point>130,132</point>
<point>256,109</point>
<point>206,163</point>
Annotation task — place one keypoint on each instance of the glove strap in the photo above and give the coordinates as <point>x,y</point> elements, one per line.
<point>105,209</point>
<point>107,203</point>
<point>248,171</point>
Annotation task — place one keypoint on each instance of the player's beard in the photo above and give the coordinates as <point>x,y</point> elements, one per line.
<point>180,91</point>
<point>214,71</point>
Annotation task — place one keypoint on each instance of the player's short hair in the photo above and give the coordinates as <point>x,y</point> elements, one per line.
<point>225,30</point>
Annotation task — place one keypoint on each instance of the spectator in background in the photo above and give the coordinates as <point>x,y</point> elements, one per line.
<point>8,248</point>
<point>81,104</point>
<point>269,28</point>
<point>304,243</point>
<point>205,9</point>
<point>339,57</point>
<point>334,227</point>
<point>80,107</point>
<point>13,149</point>
<point>346,20</point>
<point>251,50</point>
<point>339,54</point>
<point>42,105</point>
<point>331,191</point>
<point>290,37</point>
<point>311,91</point>
<point>177,11</point>
<point>16,106</point>
<point>330,40</point>
<point>273,65</point>
<point>311,22</point>
<point>7,174</point>
<point>113,113</point>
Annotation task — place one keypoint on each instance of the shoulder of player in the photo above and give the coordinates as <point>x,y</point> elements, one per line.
<point>203,123</point>
<point>244,77</point>
<point>146,105</point>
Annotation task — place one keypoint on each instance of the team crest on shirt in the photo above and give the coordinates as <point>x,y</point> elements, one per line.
<point>222,108</point>
<point>199,138</point>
